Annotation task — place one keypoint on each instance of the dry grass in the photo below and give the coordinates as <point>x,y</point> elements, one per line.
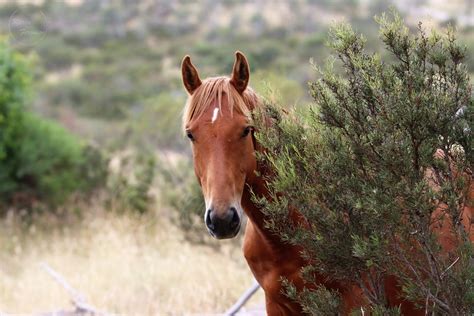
<point>122,264</point>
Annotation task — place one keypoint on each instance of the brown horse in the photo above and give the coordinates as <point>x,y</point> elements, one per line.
<point>217,120</point>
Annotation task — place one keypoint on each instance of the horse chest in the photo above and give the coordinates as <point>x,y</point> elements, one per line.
<point>269,263</point>
<point>263,263</point>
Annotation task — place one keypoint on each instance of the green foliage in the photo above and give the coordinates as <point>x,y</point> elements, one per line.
<point>180,191</point>
<point>14,81</point>
<point>127,56</point>
<point>277,88</point>
<point>39,160</point>
<point>47,159</point>
<point>158,124</point>
<point>130,181</point>
<point>364,166</point>
<point>320,301</point>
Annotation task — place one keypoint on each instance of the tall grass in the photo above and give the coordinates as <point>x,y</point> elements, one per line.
<point>125,264</point>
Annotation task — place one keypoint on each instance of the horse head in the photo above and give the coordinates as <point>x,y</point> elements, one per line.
<point>217,121</point>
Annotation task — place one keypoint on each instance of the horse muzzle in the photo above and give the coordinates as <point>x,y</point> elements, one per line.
<point>223,225</point>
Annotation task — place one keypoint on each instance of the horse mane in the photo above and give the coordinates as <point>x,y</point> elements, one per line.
<point>216,88</point>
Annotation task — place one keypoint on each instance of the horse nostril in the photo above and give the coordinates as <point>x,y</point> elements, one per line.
<point>209,223</point>
<point>235,221</point>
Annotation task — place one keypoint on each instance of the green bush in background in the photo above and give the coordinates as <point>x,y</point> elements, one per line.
<point>180,190</point>
<point>277,88</point>
<point>39,160</point>
<point>130,181</point>
<point>158,123</point>
<point>14,83</point>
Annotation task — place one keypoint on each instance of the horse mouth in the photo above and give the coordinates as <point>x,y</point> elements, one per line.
<point>227,235</point>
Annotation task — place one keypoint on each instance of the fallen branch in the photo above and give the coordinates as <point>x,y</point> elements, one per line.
<point>243,299</point>
<point>78,300</point>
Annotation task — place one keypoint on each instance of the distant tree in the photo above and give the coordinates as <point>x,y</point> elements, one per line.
<point>14,83</point>
<point>384,147</point>
<point>39,160</point>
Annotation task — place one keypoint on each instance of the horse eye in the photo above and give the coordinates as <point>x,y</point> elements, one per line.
<point>247,131</point>
<point>190,135</point>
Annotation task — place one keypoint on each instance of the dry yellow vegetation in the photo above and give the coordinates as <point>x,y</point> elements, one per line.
<point>121,263</point>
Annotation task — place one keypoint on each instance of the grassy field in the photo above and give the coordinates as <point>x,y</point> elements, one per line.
<point>121,263</point>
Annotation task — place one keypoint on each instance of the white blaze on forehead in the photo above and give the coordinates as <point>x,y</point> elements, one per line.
<point>214,114</point>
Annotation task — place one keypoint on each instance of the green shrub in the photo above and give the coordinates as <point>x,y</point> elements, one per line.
<point>277,88</point>
<point>39,160</point>
<point>130,181</point>
<point>14,83</point>
<point>48,160</point>
<point>180,191</point>
<point>356,163</point>
<point>158,124</point>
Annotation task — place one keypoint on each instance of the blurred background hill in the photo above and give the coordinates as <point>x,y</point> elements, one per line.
<point>115,60</point>
<point>104,86</point>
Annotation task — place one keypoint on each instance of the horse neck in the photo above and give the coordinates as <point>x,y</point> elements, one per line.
<point>253,211</point>
<point>290,253</point>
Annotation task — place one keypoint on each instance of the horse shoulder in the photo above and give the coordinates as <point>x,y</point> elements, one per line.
<point>257,253</point>
<point>269,264</point>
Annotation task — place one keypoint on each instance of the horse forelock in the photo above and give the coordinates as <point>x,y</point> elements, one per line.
<point>213,90</point>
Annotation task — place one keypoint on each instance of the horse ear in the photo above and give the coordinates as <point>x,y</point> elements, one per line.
<point>190,75</point>
<point>240,72</point>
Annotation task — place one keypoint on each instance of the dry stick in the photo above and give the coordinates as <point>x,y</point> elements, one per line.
<point>78,299</point>
<point>427,301</point>
<point>370,296</point>
<point>448,268</point>
<point>243,299</point>
<point>424,288</point>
